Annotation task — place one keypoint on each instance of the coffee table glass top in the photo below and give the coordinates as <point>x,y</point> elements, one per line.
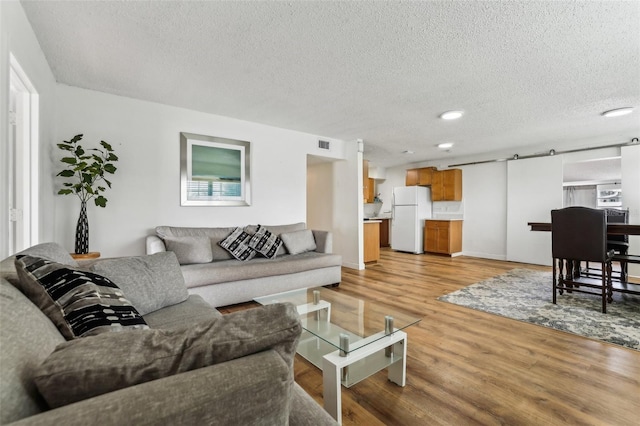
<point>331,315</point>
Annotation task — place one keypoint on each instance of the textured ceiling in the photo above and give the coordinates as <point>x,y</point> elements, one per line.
<point>526,73</point>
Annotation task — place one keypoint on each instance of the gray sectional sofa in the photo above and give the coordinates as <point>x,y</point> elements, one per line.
<point>223,280</point>
<point>187,365</point>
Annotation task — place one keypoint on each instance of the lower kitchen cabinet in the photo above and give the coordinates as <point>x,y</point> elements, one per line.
<point>371,241</point>
<point>384,233</point>
<point>443,236</point>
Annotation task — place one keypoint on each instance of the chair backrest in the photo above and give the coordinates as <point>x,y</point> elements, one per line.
<point>579,233</point>
<point>618,216</point>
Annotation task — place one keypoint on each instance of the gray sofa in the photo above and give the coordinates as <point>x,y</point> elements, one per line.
<point>247,379</point>
<point>224,280</point>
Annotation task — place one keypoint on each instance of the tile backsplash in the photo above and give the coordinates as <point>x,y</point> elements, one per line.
<point>448,209</point>
<point>372,209</point>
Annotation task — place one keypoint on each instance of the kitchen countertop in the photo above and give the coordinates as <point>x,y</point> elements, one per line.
<point>367,219</point>
<point>372,221</point>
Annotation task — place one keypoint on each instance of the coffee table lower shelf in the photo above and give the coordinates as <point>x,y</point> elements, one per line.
<point>347,370</point>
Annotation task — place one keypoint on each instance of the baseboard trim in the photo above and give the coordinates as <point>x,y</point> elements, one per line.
<point>485,255</point>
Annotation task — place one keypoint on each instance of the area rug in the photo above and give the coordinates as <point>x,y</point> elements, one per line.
<point>526,295</point>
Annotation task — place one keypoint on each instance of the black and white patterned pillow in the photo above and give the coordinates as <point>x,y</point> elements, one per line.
<point>265,242</point>
<point>237,243</point>
<point>79,303</point>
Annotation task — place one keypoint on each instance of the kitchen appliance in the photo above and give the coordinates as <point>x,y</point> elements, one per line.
<point>411,206</point>
<point>609,196</point>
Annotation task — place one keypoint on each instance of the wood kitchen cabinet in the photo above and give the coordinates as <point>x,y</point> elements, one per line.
<point>371,241</point>
<point>384,233</point>
<point>368,185</point>
<point>411,178</point>
<point>421,176</point>
<point>443,236</point>
<point>446,185</point>
<point>371,190</point>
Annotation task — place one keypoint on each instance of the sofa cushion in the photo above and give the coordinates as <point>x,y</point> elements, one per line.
<point>231,270</point>
<point>215,235</point>
<point>150,282</point>
<point>190,249</point>
<point>51,251</point>
<point>237,243</point>
<point>192,310</point>
<point>141,356</point>
<point>79,303</point>
<point>299,241</point>
<point>265,242</point>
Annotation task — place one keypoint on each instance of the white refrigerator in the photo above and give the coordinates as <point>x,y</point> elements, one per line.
<point>411,206</point>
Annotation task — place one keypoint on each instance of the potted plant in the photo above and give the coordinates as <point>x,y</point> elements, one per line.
<point>85,171</point>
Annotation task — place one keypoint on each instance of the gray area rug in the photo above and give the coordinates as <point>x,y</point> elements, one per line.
<point>526,295</point>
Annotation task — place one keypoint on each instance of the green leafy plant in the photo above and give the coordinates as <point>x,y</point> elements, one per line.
<point>86,170</point>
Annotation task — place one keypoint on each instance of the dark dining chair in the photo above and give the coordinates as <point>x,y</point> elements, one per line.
<point>619,243</point>
<point>580,234</point>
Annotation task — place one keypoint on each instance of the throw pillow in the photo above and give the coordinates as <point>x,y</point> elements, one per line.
<point>86,368</point>
<point>150,282</point>
<point>280,229</point>
<point>190,250</point>
<point>215,235</point>
<point>79,303</point>
<point>237,243</point>
<point>265,242</point>
<point>299,241</point>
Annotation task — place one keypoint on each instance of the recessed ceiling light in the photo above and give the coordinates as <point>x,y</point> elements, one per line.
<point>445,145</point>
<point>451,115</point>
<point>618,112</point>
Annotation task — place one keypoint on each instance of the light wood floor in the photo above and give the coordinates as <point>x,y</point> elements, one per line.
<point>467,367</point>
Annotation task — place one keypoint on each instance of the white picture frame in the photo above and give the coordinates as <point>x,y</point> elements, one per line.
<point>214,171</point>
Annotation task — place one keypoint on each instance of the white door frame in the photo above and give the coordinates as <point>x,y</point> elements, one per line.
<point>23,155</point>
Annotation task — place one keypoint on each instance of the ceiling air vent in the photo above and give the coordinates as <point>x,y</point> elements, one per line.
<point>324,145</point>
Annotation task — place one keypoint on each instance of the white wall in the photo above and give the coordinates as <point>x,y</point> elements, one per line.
<point>394,177</point>
<point>484,230</point>
<point>329,208</point>
<point>146,191</point>
<point>17,38</point>
<point>347,207</point>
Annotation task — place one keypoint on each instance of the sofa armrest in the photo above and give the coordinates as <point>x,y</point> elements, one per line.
<point>324,241</point>
<point>255,389</point>
<point>155,244</point>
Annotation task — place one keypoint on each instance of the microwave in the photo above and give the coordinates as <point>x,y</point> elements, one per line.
<point>609,195</point>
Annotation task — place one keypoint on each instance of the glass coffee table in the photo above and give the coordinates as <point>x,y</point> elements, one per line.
<point>348,339</point>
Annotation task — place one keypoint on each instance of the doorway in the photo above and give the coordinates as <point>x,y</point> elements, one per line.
<point>21,191</point>
<point>583,181</point>
<point>320,196</point>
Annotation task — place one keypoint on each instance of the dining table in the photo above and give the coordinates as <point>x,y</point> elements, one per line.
<point>612,228</point>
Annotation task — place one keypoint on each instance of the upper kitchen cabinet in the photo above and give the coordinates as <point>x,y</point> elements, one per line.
<point>368,185</point>
<point>425,176</point>
<point>446,185</point>
<point>421,176</point>
<point>412,177</point>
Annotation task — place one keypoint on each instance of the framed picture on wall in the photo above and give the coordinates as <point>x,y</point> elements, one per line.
<point>214,171</point>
